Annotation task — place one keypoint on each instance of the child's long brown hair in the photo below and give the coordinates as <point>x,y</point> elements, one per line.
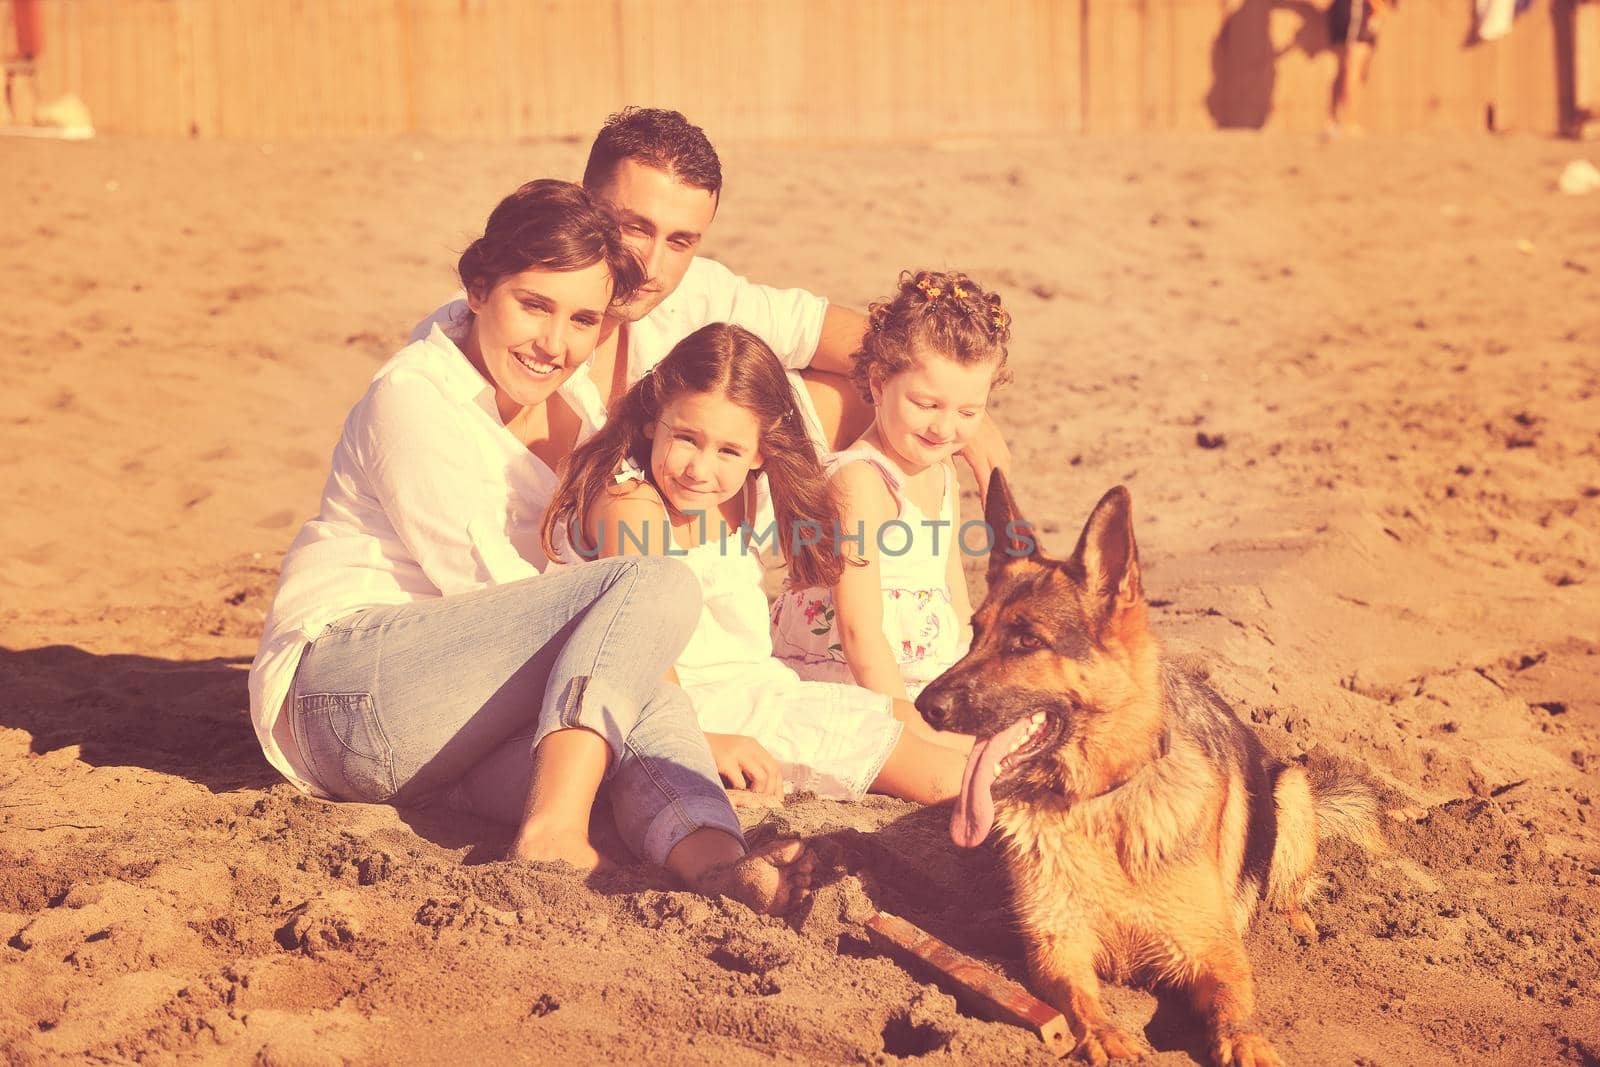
<point>729,361</point>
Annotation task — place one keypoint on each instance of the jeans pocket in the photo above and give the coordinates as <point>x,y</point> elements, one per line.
<point>345,745</point>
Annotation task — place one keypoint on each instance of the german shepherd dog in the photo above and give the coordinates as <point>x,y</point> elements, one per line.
<point>1143,822</point>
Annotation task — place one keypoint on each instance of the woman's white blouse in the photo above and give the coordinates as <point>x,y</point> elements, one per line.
<point>429,495</point>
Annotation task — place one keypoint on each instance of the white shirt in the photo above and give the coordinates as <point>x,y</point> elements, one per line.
<point>429,495</point>
<point>788,320</point>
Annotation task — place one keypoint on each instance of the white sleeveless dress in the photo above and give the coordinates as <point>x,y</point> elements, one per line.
<point>919,618</point>
<point>830,739</point>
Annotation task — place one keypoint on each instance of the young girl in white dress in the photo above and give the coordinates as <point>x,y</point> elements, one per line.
<point>930,356</point>
<point>706,458</point>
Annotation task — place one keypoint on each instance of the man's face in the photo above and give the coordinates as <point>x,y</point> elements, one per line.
<point>663,221</point>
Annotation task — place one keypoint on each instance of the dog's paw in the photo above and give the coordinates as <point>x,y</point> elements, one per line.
<point>1301,923</point>
<point>1244,1048</point>
<point>1410,813</point>
<point>1104,1044</point>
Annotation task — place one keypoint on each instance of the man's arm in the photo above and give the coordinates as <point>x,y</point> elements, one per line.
<point>842,330</point>
<point>840,409</point>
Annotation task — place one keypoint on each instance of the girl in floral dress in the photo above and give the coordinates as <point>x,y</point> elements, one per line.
<point>927,363</point>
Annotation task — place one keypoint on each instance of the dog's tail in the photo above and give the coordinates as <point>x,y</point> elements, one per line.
<point>1346,801</point>
<point>1326,798</point>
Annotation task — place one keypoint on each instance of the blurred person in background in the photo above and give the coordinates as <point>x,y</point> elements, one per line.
<point>1354,35</point>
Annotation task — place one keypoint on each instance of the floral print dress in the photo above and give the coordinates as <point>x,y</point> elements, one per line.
<point>919,618</point>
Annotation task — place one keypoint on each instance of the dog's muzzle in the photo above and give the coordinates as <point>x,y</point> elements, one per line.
<point>937,706</point>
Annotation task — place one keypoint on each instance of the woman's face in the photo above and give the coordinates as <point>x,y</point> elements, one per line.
<point>702,449</point>
<point>533,329</point>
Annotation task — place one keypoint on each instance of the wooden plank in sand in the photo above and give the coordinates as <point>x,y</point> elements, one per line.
<point>976,987</point>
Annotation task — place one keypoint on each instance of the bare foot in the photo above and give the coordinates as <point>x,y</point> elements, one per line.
<point>571,846</point>
<point>769,881</point>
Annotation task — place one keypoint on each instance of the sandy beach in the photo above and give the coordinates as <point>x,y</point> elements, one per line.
<point>1353,387</point>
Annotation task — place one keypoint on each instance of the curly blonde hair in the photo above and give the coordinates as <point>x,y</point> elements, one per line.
<point>945,311</point>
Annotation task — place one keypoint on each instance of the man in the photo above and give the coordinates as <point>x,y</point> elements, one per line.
<point>664,180</point>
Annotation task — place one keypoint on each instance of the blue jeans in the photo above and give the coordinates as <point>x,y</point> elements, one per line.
<point>446,699</point>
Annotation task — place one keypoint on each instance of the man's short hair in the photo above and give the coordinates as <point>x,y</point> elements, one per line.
<point>654,137</point>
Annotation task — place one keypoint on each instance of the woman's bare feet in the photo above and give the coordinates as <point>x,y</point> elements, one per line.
<point>536,844</point>
<point>568,767</point>
<point>770,880</point>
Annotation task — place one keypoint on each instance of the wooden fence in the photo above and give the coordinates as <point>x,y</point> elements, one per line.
<point>813,70</point>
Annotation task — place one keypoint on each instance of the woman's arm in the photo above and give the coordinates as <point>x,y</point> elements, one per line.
<point>865,504</point>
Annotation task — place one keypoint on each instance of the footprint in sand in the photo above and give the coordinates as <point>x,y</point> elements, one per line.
<point>1561,577</point>
<point>260,245</point>
<point>276,521</point>
<point>301,459</point>
<point>374,344</point>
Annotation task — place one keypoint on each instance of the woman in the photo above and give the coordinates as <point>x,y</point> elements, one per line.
<point>415,651</point>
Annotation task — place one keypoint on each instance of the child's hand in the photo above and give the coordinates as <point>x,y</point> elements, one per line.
<point>743,798</point>
<point>744,764</point>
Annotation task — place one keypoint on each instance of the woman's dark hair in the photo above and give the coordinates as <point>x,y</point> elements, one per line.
<point>549,225</point>
<point>730,361</point>
<point>945,311</point>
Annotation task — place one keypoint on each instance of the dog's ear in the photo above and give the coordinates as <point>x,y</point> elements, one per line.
<point>1108,560</point>
<point>1011,535</point>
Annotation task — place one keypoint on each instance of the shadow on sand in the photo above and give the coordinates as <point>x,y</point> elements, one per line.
<point>1244,60</point>
<point>188,718</point>
<point>185,718</point>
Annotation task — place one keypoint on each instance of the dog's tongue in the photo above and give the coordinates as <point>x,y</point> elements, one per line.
<point>973,816</point>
